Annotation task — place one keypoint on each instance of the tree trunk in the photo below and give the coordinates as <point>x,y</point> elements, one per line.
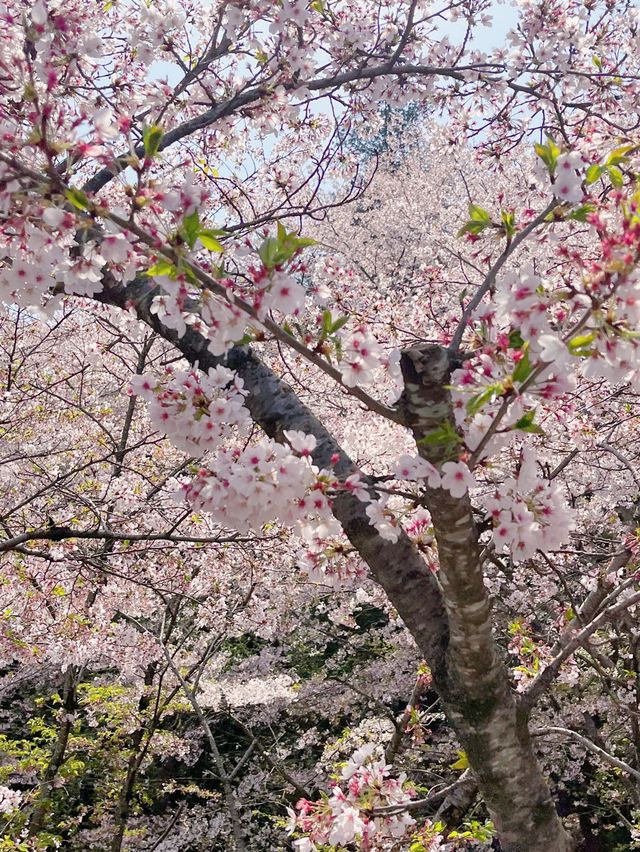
<point>476,692</point>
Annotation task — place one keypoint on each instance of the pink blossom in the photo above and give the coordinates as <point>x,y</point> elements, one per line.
<point>457,479</point>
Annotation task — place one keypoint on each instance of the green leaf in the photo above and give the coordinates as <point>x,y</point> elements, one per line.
<point>326,323</point>
<point>162,267</point>
<point>209,240</point>
<point>620,155</point>
<point>190,228</point>
<point>580,213</point>
<point>476,402</point>
<point>479,214</point>
<point>77,198</point>
<point>523,368</point>
<point>471,228</point>
<point>549,154</point>
<point>151,138</point>
<point>444,435</point>
<point>244,340</point>
<point>190,275</point>
<point>594,173</point>
<point>331,326</point>
<point>305,242</point>
<point>269,252</point>
<point>581,344</point>
<point>515,340</point>
<point>479,220</point>
<point>508,222</point>
<point>338,324</point>
<point>277,250</point>
<point>526,423</point>
<point>462,762</point>
<point>615,176</point>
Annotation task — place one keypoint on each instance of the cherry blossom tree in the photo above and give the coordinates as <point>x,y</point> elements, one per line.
<point>261,384</point>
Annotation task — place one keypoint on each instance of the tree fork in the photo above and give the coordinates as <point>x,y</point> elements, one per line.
<point>476,691</point>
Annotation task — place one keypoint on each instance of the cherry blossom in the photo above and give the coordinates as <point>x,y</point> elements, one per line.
<point>527,514</point>
<point>457,479</point>
<point>416,468</point>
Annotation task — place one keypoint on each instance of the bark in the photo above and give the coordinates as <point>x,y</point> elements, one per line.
<point>478,697</point>
<point>453,631</point>
<point>457,800</point>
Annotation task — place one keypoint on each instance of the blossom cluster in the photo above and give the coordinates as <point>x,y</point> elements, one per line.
<point>36,263</point>
<point>9,799</point>
<point>361,355</point>
<point>454,477</point>
<point>245,489</point>
<point>348,815</point>
<point>534,655</point>
<point>195,410</point>
<point>569,175</point>
<point>277,290</point>
<point>527,513</point>
<point>324,556</point>
<point>179,306</point>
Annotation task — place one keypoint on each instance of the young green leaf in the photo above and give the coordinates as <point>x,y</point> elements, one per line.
<point>581,344</point>
<point>523,369</point>
<point>593,173</point>
<point>462,762</point>
<point>515,340</point>
<point>338,324</point>
<point>580,213</point>
<point>162,267</point>
<point>478,214</point>
<point>77,198</point>
<point>191,228</point>
<point>209,240</point>
<point>615,176</point>
<point>269,252</point>
<point>479,220</point>
<point>151,138</point>
<point>508,222</point>
<point>444,435</point>
<point>526,423</point>
<point>478,401</point>
<point>549,154</point>
<point>619,156</point>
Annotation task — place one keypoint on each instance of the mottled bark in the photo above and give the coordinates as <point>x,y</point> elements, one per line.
<point>476,691</point>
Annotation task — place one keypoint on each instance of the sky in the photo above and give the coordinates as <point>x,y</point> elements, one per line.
<point>504,16</point>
